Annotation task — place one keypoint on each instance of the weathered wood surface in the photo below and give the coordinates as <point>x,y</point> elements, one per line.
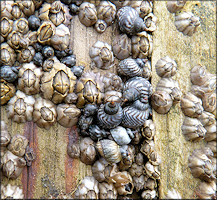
<point>54,173</point>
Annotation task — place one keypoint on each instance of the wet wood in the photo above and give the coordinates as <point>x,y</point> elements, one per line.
<point>54,173</point>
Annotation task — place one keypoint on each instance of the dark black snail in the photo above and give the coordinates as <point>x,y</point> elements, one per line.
<point>8,73</point>
<point>96,133</point>
<point>48,51</point>
<point>69,61</point>
<point>34,22</point>
<point>38,59</point>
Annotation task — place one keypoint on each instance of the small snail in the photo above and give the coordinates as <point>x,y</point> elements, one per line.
<point>109,150</point>
<point>129,21</point>
<point>110,115</point>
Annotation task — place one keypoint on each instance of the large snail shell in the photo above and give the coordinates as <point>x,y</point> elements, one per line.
<point>129,20</point>
<point>129,67</point>
<point>192,129</point>
<point>133,116</point>
<point>109,150</point>
<point>166,67</point>
<point>191,105</point>
<point>109,116</point>
<point>187,23</point>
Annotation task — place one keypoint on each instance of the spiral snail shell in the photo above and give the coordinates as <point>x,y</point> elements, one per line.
<point>109,150</point>
<point>129,20</point>
<point>110,115</point>
<point>136,114</point>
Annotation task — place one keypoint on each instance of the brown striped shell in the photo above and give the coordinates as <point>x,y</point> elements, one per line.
<point>57,83</point>
<point>109,150</point>
<point>45,113</point>
<point>7,91</point>
<point>28,79</point>
<point>67,115</point>
<point>129,21</point>
<point>109,115</point>
<point>20,107</point>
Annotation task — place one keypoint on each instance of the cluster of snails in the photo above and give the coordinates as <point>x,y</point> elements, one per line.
<point>199,108</point>
<point>15,155</point>
<point>185,21</point>
<point>167,92</point>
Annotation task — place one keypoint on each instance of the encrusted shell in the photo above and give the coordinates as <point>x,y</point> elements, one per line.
<point>129,21</point>
<point>13,39</point>
<point>171,87</point>
<point>200,164</point>
<point>18,145</point>
<point>106,11</point>
<point>11,192</point>
<point>198,75</point>
<point>129,67</point>
<point>57,83</point>
<point>87,14</point>
<point>67,115</point>
<point>175,6</point>
<point>110,115</point>
<point>148,129</point>
<point>209,102</point>
<point>166,67</point>
<point>8,55</point>
<point>28,7</point>
<point>6,9</point>
<point>12,165</point>
<point>107,191</point>
<point>111,82</point>
<point>191,105</point>
<point>121,46</point>
<point>88,151</point>
<point>44,114</point>
<point>187,23</point>
<point>26,55</point>
<point>61,37</point>
<point>120,135</point>
<point>5,136</point>
<point>101,169</point>
<point>88,189</point>
<point>192,129</point>
<point>28,78</point>
<point>109,150</point>
<point>48,64</point>
<point>128,154</point>
<point>6,26</point>
<point>161,102</point>
<point>56,12</point>
<point>211,132</point>
<point>89,89</point>
<point>142,7</point>
<point>135,115</point>
<point>21,25</point>
<point>150,22</point>
<point>206,190</point>
<point>7,91</point>
<point>20,107</point>
<point>123,182</point>
<point>102,55</point>
<point>45,32</point>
